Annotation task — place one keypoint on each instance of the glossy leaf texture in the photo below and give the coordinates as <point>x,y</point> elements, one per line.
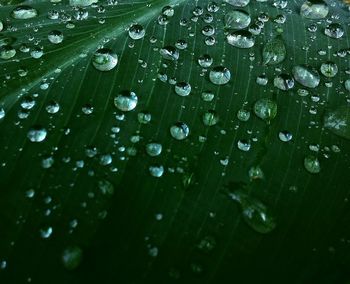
<point>153,142</point>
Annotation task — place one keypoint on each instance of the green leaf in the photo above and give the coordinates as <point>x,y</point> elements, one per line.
<point>143,142</point>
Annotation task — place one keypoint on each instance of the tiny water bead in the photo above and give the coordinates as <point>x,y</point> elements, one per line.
<point>7,52</point>
<point>37,134</point>
<point>2,113</point>
<point>126,101</point>
<point>266,109</point>
<point>254,212</point>
<point>220,75</point>
<point>312,164</point>
<point>182,89</point>
<point>179,131</point>
<point>314,9</point>
<point>104,59</point>
<point>137,32</point>
<point>24,12</point>
<point>241,39</point>
<point>306,76</point>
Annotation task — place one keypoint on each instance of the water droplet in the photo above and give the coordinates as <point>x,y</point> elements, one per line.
<point>254,212</point>
<point>243,115</point>
<point>136,32</point>
<point>179,131</point>
<point>338,121</point>
<point>238,3</point>
<point>55,37</point>
<point>82,3</point>
<point>283,82</point>
<point>314,9</point>
<point>306,76</point>
<point>156,171</point>
<point>169,53</point>
<point>329,69</point>
<point>220,75</point>
<point>210,118</point>
<point>24,12</point>
<point>154,149</point>
<point>274,52</point>
<point>104,59</point>
<point>334,30</point>
<point>183,89</point>
<point>241,39</point>
<point>266,109</point>
<point>37,134</point>
<point>312,164</point>
<point>285,136</point>
<point>71,257</point>
<point>237,19</point>
<point>126,101</point>
<point>46,232</point>
<point>244,145</point>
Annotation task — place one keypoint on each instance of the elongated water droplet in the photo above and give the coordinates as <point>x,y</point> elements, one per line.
<point>241,39</point>
<point>254,212</point>
<point>306,76</point>
<point>24,12</point>
<point>338,121</point>
<point>237,19</point>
